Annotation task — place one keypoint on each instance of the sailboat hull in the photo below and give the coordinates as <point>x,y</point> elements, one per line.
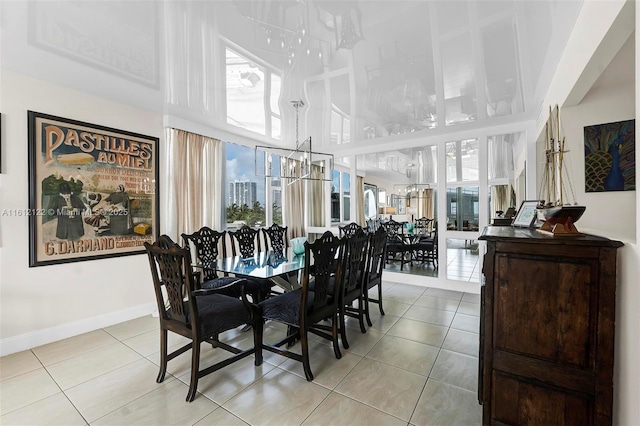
<point>559,221</point>
<point>561,214</point>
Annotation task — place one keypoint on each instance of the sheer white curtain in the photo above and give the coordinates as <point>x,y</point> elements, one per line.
<point>194,193</point>
<point>293,202</point>
<point>500,156</point>
<point>360,219</point>
<point>316,197</point>
<point>500,198</point>
<point>427,204</point>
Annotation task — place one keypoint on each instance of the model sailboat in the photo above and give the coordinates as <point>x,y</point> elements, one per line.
<point>558,213</point>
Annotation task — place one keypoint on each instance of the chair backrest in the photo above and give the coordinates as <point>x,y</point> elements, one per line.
<point>325,272</point>
<point>207,243</point>
<point>276,238</point>
<point>393,230</point>
<point>373,225</point>
<point>376,255</point>
<point>355,260</point>
<point>423,226</point>
<point>171,269</point>
<point>348,230</point>
<point>245,241</point>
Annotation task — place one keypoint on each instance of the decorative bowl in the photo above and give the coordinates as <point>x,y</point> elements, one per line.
<point>297,245</point>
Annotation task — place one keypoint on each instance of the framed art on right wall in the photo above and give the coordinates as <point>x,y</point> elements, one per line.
<point>609,157</point>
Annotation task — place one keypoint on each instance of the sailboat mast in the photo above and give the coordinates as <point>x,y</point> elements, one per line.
<point>547,164</point>
<point>560,159</point>
<point>553,196</point>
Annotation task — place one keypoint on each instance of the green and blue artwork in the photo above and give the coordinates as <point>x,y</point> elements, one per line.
<point>609,157</point>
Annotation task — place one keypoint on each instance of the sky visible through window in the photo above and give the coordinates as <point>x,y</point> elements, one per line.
<point>241,168</point>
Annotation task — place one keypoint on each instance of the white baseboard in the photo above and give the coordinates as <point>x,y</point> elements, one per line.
<point>53,334</point>
<point>435,282</point>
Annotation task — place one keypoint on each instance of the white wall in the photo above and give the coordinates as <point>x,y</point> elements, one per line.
<point>48,303</point>
<point>614,215</point>
<point>610,98</point>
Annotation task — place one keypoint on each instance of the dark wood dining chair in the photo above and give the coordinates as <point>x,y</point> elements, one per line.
<point>200,315</point>
<point>375,266</point>
<point>397,244</point>
<point>209,246</point>
<point>354,264</point>
<point>245,242</point>
<point>275,238</point>
<point>425,249</point>
<point>304,309</point>
<point>348,230</point>
<point>373,225</point>
<point>423,227</point>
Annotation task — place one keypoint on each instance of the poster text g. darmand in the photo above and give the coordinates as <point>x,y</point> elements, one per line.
<point>54,248</point>
<point>111,150</point>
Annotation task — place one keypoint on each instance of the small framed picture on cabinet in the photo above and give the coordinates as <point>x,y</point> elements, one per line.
<point>527,214</point>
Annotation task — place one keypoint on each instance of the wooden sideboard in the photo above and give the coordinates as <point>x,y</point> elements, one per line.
<point>546,328</point>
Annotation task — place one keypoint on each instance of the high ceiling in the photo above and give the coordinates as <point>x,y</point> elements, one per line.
<point>390,67</point>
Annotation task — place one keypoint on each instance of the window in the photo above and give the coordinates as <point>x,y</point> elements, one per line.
<point>462,208</point>
<point>340,127</point>
<point>462,194</point>
<point>370,201</point>
<point>275,184</point>
<point>346,197</point>
<point>340,196</point>
<point>335,196</point>
<point>500,172</point>
<point>248,85</point>
<point>462,160</point>
<point>245,197</point>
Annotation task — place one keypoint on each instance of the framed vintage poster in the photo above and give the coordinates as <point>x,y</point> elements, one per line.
<point>93,191</point>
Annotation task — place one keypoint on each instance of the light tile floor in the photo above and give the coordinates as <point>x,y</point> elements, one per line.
<point>417,365</point>
<point>462,263</point>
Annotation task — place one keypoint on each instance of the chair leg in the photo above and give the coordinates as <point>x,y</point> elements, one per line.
<point>366,308</point>
<point>361,313</point>
<point>304,344</point>
<point>163,355</point>
<point>343,327</point>
<point>334,333</point>
<point>380,298</point>
<point>195,368</point>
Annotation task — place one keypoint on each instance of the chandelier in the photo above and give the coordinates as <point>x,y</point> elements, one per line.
<point>301,163</point>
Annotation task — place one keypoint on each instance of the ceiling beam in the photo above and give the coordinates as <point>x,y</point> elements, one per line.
<point>600,25</point>
<point>620,31</point>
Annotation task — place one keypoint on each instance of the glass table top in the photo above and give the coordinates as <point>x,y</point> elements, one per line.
<point>266,264</point>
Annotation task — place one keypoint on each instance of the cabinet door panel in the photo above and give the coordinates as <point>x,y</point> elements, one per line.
<point>543,308</point>
<point>520,403</point>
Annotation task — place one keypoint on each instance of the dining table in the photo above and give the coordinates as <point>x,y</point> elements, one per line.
<point>281,268</point>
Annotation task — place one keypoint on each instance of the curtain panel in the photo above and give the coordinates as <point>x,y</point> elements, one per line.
<point>194,195</point>
<point>316,198</point>
<point>360,217</point>
<point>293,203</point>
<point>427,204</point>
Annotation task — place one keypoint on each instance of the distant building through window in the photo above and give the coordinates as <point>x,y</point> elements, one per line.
<point>243,193</point>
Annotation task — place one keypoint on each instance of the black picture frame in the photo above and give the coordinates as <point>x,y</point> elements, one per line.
<point>527,214</point>
<point>93,190</point>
